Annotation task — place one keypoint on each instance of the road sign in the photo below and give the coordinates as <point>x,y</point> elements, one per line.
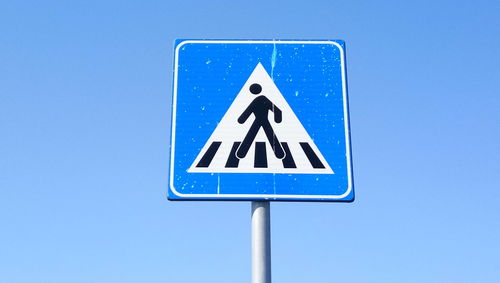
<point>260,120</point>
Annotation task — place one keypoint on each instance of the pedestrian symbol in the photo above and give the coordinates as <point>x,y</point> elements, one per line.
<point>260,133</point>
<point>259,107</point>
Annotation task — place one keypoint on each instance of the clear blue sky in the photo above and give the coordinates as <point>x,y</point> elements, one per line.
<point>85,91</point>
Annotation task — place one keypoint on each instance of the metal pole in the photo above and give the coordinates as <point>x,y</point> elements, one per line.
<point>261,242</point>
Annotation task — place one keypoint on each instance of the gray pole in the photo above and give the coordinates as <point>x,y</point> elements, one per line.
<point>261,242</point>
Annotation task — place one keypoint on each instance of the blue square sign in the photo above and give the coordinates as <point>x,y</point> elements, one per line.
<point>260,120</point>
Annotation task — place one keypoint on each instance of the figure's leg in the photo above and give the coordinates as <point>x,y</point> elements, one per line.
<point>273,140</point>
<point>248,140</point>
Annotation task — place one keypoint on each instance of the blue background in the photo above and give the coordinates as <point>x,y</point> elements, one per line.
<point>84,119</point>
<point>309,76</point>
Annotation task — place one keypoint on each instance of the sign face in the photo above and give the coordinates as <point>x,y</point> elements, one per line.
<point>260,120</point>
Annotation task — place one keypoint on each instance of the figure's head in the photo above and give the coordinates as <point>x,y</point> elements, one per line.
<point>255,89</point>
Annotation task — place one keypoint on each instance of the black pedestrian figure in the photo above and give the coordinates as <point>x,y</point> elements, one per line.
<point>260,107</point>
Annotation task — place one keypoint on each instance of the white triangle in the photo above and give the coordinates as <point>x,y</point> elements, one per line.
<point>290,130</point>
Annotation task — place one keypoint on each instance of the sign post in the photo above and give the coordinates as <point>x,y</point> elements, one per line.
<point>261,121</point>
<point>261,242</point>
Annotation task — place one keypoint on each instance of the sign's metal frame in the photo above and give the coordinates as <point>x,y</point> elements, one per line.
<point>272,197</point>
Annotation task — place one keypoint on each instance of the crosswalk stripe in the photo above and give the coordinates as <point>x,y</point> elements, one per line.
<point>260,155</point>
<point>232,160</point>
<point>288,161</point>
<point>209,155</point>
<point>313,158</point>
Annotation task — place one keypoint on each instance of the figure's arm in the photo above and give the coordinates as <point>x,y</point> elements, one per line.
<point>244,116</point>
<point>277,114</point>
